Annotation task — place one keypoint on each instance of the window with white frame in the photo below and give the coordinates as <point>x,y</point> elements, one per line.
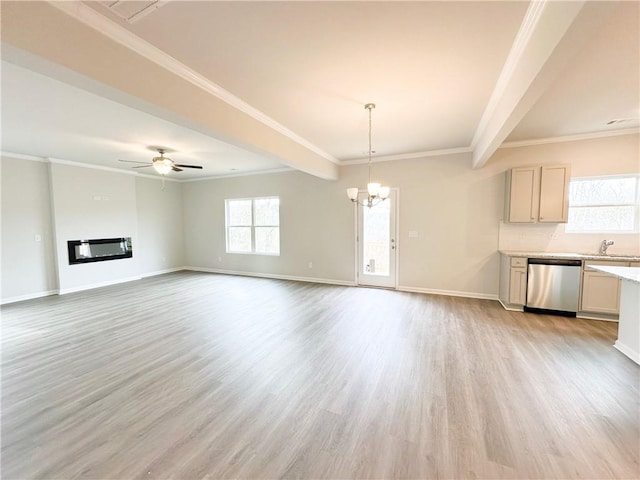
<point>253,225</point>
<point>604,204</point>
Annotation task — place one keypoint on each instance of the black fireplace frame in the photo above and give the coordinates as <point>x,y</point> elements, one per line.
<point>72,244</point>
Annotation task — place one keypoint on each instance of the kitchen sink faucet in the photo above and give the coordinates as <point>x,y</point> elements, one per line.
<point>604,245</point>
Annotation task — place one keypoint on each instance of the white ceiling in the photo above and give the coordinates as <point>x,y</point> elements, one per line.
<point>430,67</point>
<point>44,117</point>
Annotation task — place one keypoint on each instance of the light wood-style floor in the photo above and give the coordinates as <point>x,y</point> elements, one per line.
<point>193,375</point>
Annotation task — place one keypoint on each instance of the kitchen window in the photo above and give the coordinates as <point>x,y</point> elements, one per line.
<point>608,204</point>
<point>253,225</point>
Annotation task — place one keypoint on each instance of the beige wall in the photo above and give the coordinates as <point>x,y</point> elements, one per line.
<point>456,211</point>
<point>160,245</point>
<point>603,156</point>
<point>91,203</point>
<point>316,225</point>
<point>58,203</point>
<point>28,265</point>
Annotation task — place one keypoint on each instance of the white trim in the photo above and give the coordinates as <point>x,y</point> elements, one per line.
<point>449,293</point>
<point>595,316</point>
<point>29,296</point>
<point>108,169</point>
<point>241,174</point>
<point>328,281</point>
<point>97,285</point>
<point>407,156</point>
<point>161,272</point>
<point>115,32</point>
<point>510,309</point>
<point>629,352</point>
<point>528,26</point>
<point>571,138</point>
<point>21,156</point>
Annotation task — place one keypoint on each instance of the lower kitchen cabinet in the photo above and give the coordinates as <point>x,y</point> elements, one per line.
<point>518,286</point>
<point>600,293</point>
<point>513,281</point>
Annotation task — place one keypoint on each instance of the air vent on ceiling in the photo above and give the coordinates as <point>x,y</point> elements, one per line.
<point>133,10</point>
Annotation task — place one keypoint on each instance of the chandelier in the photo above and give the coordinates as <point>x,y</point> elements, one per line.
<point>376,193</point>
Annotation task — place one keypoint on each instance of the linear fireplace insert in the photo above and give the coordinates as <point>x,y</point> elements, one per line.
<point>99,249</point>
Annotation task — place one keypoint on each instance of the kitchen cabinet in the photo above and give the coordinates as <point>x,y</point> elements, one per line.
<point>518,286</point>
<point>538,194</point>
<point>600,291</point>
<point>513,281</point>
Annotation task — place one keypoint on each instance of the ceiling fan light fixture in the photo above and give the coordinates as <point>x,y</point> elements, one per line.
<point>162,165</point>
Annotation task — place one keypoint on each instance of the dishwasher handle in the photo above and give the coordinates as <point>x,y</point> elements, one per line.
<point>555,261</point>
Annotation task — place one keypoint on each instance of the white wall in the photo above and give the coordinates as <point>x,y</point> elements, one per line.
<point>160,245</point>
<point>60,202</point>
<point>603,156</point>
<point>316,225</point>
<point>91,203</point>
<point>456,211</point>
<point>28,265</point>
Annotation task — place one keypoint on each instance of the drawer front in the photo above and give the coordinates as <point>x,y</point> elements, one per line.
<point>518,262</point>
<point>608,263</point>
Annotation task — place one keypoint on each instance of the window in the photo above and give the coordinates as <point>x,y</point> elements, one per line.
<point>253,225</point>
<point>604,205</point>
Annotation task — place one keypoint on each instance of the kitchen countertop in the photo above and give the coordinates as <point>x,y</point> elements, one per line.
<point>573,256</point>
<point>626,273</point>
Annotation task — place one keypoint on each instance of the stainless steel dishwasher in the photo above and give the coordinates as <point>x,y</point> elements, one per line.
<point>553,285</point>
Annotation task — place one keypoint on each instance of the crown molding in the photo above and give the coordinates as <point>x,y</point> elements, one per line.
<point>71,163</point>
<point>22,156</point>
<point>60,161</point>
<point>407,156</point>
<point>242,174</point>
<point>571,138</point>
<point>122,36</point>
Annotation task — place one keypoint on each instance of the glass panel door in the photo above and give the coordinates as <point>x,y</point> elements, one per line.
<point>377,243</point>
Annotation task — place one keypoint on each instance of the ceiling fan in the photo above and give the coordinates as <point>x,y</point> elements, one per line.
<point>162,164</point>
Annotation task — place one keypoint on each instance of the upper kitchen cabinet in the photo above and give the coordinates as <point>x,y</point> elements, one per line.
<point>538,194</point>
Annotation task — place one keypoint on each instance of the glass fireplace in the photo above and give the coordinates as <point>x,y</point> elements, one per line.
<point>99,250</point>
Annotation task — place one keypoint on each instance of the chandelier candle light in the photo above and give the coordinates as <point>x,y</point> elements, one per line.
<point>376,193</point>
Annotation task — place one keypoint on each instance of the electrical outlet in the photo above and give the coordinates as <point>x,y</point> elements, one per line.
<point>219,259</point>
<point>310,264</point>
<point>37,238</point>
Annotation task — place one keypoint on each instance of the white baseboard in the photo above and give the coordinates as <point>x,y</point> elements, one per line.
<point>629,352</point>
<point>161,272</point>
<point>450,293</point>
<point>97,285</point>
<point>271,275</point>
<point>595,316</point>
<point>510,309</point>
<point>30,296</point>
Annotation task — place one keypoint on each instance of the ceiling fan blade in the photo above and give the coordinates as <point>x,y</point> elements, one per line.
<point>130,161</point>
<point>176,169</point>
<point>143,166</point>
<point>188,166</point>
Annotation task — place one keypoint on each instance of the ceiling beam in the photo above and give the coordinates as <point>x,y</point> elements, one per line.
<point>551,33</point>
<point>74,36</point>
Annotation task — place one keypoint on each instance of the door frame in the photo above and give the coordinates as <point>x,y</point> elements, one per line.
<point>356,219</point>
